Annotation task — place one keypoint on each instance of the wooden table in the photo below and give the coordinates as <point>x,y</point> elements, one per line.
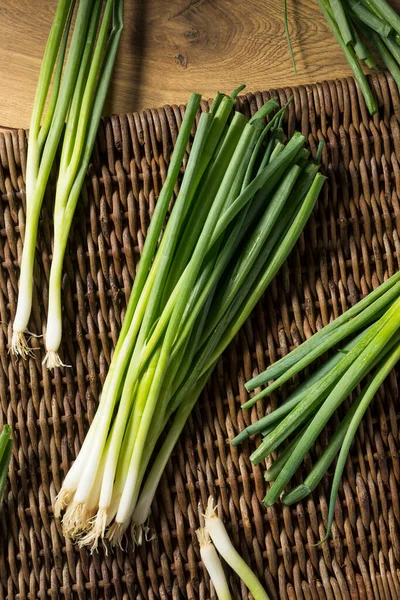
<point>172,47</point>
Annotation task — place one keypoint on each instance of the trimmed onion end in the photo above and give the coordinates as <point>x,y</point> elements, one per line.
<point>211,509</point>
<point>203,536</point>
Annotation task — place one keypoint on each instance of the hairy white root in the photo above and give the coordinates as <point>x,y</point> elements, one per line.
<point>52,359</point>
<point>61,502</point>
<point>115,535</point>
<point>96,532</point>
<point>76,520</point>
<point>19,345</point>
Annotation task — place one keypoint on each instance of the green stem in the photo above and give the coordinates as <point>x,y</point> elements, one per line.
<point>362,406</point>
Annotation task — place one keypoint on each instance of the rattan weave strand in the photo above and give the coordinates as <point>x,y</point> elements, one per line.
<point>350,245</point>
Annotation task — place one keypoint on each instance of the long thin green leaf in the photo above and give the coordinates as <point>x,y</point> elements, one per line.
<point>351,58</point>
<point>341,21</point>
<point>44,129</point>
<point>230,325</point>
<point>301,391</point>
<point>319,392</point>
<point>367,316</point>
<point>5,455</point>
<point>362,406</point>
<point>75,115</point>
<point>350,379</point>
<point>272,473</point>
<point>276,369</point>
<point>387,12</point>
<point>324,461</point>
<point>48,62</point>
<point>367,17</point>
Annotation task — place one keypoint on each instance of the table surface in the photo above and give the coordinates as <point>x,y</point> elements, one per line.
<point>172,47</point>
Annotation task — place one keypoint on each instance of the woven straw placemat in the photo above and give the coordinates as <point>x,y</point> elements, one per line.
<point>350,245</point>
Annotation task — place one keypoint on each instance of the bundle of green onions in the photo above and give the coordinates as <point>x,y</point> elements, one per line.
<point>80,79</point>
<point>243,201</point>
<point>374,350</point>
<point>5,455</point>
<point>358,26</point>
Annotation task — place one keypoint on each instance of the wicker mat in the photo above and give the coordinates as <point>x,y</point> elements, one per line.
<point>349,246</point>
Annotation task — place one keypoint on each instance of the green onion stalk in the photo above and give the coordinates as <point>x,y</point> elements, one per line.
<point>243,201</point>
<point>75,83</point>
<point>365,30</point>
<point>5,456</point>
<point>371,332</point>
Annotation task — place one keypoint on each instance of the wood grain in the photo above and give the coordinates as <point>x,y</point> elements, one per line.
<point>172,47</point>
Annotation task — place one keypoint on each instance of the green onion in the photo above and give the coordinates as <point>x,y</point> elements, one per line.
<point>223,544</point>
<point>5,455</point>
<point>360,408</point>
<point>244,199</point>
<point>387,13</point>
<point>375,349</point>
<point>383,45</point>
<point>373,304</point>
<point>356,9</point>
<point>78,92</point>
<point>350,55</point>
<point>213,565</point>
<point>358,362</point>
<point>379,23</point>
<point>340,17</point>
<point>83,121</point>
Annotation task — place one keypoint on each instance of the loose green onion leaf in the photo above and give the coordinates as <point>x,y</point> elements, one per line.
<point>5,455</point>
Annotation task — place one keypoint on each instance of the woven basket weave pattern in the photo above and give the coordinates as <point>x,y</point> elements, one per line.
<point>350,245</point>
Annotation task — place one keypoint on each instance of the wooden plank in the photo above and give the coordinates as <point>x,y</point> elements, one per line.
<point>172,47</point>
